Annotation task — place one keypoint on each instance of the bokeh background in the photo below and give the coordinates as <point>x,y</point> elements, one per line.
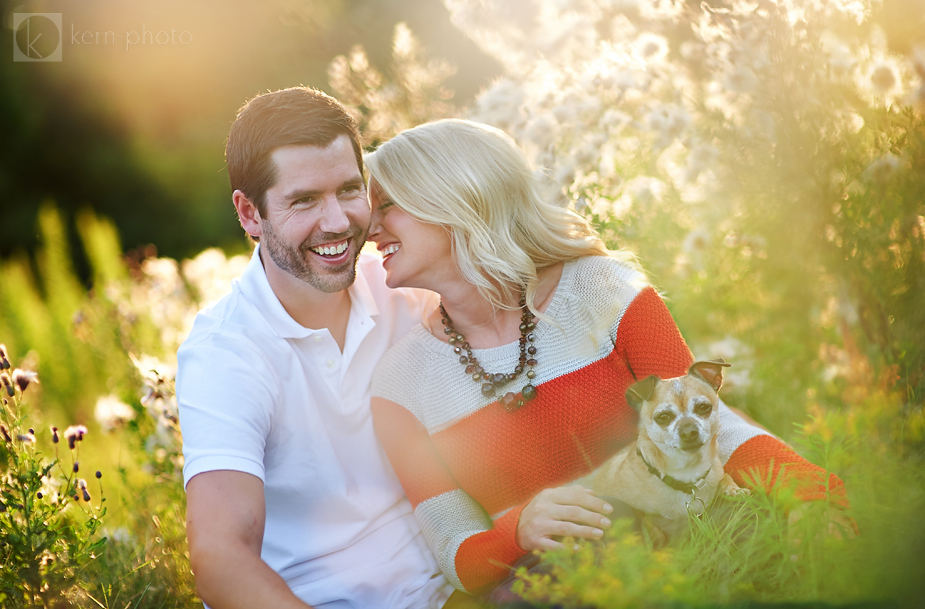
<point>764,159</point>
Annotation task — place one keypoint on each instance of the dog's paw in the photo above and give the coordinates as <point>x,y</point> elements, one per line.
<point>736,491</point>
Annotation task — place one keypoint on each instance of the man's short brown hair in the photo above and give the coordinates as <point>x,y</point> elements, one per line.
<point>298,116</point>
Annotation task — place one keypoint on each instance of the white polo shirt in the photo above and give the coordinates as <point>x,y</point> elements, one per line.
<point>261,394</point>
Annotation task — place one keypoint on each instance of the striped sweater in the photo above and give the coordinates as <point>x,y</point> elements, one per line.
<point>469,466</point>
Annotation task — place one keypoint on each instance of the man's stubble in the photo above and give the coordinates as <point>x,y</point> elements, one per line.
<point>295,260</point>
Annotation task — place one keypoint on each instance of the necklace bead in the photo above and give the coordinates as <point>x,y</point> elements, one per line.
<point>492,382</point>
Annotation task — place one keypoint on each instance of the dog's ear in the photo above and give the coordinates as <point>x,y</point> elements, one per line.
<point>710,371</point>
<point>640,391</point>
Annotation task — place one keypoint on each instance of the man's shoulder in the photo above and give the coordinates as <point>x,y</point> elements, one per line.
<point>232,323</point>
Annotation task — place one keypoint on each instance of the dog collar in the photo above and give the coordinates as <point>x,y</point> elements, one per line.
<point>684,487</point>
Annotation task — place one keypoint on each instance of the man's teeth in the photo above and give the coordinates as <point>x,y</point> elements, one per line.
<point>391,249</point>
<point>331,251</point>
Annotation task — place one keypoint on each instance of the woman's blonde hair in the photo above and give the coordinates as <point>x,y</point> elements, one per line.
<point>475,181</point>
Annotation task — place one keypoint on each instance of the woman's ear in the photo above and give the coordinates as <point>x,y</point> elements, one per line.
<point>248,214</point>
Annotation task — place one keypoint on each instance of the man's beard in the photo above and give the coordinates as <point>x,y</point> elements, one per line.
<point>293,260</point>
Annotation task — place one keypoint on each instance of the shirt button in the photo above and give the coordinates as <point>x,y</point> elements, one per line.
<point>331,363</point>
<point>316,338</point>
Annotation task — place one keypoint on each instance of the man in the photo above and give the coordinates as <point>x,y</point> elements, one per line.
<point>291,501</point>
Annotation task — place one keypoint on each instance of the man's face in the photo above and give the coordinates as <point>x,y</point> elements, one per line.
<point>317,214</point>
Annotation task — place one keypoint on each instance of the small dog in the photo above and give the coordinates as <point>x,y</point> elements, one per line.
<point>673,469</point>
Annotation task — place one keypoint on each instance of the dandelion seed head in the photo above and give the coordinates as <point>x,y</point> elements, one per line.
<point>646,190</point>
<point>111,412</point>
<point>697,241</point>
<point>884,78</point>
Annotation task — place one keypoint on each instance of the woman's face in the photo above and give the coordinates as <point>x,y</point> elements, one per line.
<point>414,254</point>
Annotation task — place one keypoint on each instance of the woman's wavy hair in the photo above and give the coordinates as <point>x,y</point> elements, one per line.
<point>475,181</point>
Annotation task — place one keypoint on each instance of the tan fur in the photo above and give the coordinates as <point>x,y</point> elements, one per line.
<point>626,477</point>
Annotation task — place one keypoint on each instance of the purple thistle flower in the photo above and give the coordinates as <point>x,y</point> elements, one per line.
<point>74,434</point>
<point>22,378</point>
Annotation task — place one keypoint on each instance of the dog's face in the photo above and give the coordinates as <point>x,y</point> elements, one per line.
<point>680,415</point>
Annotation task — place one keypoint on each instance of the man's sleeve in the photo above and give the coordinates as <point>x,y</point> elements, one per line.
<point>225,393</point>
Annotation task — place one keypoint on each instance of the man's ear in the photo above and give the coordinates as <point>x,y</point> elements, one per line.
<point>248,214</point>
<point>641,391</point>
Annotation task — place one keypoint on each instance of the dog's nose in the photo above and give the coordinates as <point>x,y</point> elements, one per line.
<point>688,432</point>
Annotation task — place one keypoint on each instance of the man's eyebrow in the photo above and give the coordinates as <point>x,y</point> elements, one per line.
<point>304,193</point>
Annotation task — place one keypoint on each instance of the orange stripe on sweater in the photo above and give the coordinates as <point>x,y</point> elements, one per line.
<point>758,463</point>
<point>484,559</point>
<point>420,469</point>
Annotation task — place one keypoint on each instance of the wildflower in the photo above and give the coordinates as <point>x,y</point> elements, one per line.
<point>5,432</point>
<point>883,168</point>
<point>4,358</point>
<point>111,412</point>
<point>39,495</point>
<point>27,438</point>
<point>74,434</point>
<point>652,47</point>
<point>6,382</point>
<point>645,190</point>
<point>22,378</point>
<point>884,78</point>
<point>82,485</point>
<point>696,241</point>
<point>54,435</point>
<point>76,466</point>
<point>918,61</point>
<point>99,474</point>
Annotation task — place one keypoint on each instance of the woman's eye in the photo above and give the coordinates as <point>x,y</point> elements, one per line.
<point>385,205</point>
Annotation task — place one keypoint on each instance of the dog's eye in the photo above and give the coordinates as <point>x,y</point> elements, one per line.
<point>664,419</point>
<point>703,408</point>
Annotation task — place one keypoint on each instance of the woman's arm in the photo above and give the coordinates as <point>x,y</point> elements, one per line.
<point>471,549</point>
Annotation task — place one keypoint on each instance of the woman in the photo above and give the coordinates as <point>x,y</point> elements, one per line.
<point>515,386</point>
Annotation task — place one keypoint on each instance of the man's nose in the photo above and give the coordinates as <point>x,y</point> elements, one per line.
<point>333,216</point>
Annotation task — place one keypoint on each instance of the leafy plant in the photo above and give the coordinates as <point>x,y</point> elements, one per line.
<point>49,520</point>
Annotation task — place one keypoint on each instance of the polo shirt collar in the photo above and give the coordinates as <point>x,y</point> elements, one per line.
<point>256,288</point>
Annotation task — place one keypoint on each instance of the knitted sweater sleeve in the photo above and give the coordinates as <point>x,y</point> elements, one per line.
<point>473,550</point>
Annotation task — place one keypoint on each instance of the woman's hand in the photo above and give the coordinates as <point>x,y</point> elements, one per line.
<point>567,511</point>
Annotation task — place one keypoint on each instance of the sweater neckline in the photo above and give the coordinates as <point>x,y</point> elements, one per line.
<point>502,352</point>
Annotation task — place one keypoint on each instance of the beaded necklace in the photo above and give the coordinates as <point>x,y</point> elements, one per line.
<point>491,383</point>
